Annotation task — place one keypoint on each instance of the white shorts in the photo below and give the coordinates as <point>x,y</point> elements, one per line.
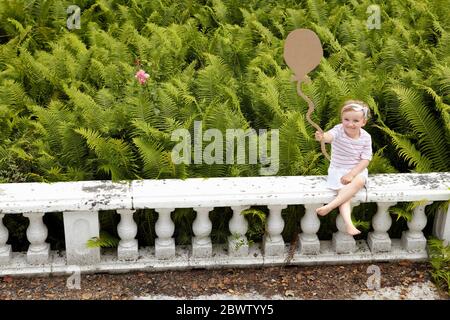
<point>335,175</point>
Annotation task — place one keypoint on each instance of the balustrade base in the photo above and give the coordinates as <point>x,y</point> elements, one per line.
<point>39,257</point>
<point>413,244</point>
<point>83,256</point>
<point>273,248</point>
<point>5,254</point>
<point>147,260</point>
<point>201,250</point>
<point>308,246</point>
<point>378,245</point>
<point>130,252</point>
<point>237,247</point>
<point>343,243</point>
<point>166,251</point>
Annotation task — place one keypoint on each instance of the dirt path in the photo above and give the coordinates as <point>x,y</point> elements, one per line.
<point>401,280</point>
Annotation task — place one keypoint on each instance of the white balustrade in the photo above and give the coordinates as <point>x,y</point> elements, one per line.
<point>164,228</point>
<point>237,241</point>
<point>273,243</point>
<point>379,240</point>
<point>80,202</point>
<point>308,241</point>
<point>39,250</point>
<point>127,231</point>
<point>5,249</point>
<point>413,239</point>
<point>342,242</point>
<point>202,226</point>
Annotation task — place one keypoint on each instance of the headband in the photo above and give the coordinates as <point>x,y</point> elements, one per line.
<point>358,107</point>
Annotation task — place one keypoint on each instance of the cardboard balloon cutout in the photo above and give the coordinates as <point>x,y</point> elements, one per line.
<point>302,53</point>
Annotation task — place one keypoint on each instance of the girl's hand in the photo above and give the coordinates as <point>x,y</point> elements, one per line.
<point>347,179</point>
<point>318,135</point>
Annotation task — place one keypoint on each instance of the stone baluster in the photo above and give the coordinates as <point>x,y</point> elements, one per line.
<point>273,242</point>
<point>441,225</point>
<point>341,241</point>
<point>308,241</point>
<point>379,240</point>
<point>39,250</point>
<point>5,249</point>
<point>164,228</point>
<point>127,231</point>
<point>413,239</point>
<point>237,242</point>
<point>202,226</point>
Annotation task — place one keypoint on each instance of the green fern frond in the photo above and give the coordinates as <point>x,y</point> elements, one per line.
<point>212,78</point>
<point>150,152</point>
<point>317,10</point>
<point>12,93</point>
<point>327,38</point>
<point>408,151</point>
<point>380,164</point>
<point>425,126</point>
<point>105,240</point>
<point>115,155</point>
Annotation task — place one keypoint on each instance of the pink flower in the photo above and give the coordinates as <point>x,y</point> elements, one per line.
<point>141,76</point>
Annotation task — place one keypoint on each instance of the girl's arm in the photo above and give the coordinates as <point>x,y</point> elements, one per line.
<point>355,171</point>
<point>359,167</point>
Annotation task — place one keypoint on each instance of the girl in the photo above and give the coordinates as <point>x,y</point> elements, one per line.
<point>351,152</point>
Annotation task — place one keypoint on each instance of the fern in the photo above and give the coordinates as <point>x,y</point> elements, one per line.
<point>115,156</point>
<point>105,240</point>
<point>439,252</point>
<point>425,126</point>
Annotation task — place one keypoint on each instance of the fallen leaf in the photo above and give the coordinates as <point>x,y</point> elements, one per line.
<point>7,279</point>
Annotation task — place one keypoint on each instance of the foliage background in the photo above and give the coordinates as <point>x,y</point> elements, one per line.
<point>71,109</point>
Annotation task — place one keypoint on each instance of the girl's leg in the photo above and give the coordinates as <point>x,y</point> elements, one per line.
<point>344,195</point>
<point>346,212</point>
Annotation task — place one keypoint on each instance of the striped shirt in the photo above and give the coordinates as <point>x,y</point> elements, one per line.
<point>346,152</point>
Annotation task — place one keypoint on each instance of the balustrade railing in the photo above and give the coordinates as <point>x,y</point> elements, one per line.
<point>80,203</point>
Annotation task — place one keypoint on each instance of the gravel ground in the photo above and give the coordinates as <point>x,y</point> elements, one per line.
<point>403,280</point>
<point>415,291</point>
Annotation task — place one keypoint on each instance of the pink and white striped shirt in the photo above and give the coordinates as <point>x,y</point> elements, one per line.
<point>346,152</point>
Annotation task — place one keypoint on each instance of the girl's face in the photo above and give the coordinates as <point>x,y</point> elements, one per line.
<point>352,121</point>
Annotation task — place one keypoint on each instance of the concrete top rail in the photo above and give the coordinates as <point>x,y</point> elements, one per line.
<point>64,196</point>
<point>212,192</point>
<point>409,187</point>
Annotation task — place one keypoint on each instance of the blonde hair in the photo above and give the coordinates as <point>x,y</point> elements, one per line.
<point>356,105</point>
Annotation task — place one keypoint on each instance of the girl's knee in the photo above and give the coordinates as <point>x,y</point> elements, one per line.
<point>345,205</point>
<point>359,181</point>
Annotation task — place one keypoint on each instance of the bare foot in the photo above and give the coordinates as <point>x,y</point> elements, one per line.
<point>351,230</point>
<point>323,211</point>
